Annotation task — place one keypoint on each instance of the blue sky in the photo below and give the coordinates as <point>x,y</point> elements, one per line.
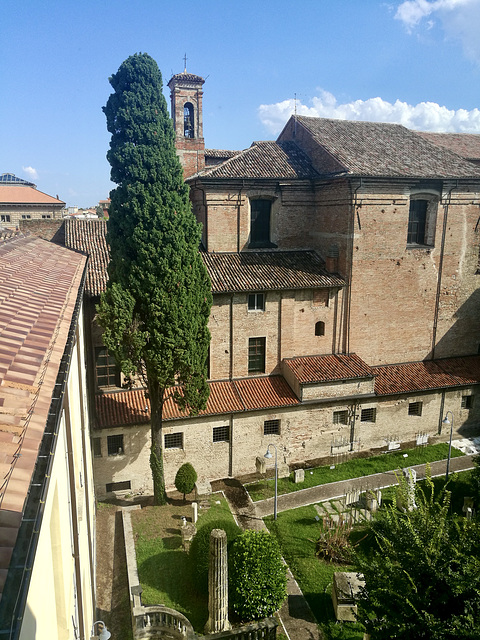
<point>416,62</point>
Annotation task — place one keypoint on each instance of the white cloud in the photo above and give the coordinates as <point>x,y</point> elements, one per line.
<point>425,116</point>
<point>460,20</point>
<point>31,172</point>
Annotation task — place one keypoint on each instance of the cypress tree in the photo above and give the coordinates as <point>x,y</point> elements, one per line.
<point>156,307</point>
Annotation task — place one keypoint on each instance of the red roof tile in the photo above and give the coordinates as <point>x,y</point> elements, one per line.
<point>21,194</point>
<point>90,238</point>
<point>311,369</point>
<point>125,408</point>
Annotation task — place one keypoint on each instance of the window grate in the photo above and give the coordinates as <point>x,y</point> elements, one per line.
<point>271,428</point>
<point>221,434</point>
<point>115,445</point>
<point>415,409</point>
<point>173,440</point>
<point>368,415</point>
<point>340,417</point>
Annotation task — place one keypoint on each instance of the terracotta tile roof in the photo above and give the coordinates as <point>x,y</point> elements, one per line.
<point>466,145</point>
<point>386,150</point>
<point>125,408</point>
<point>39,283</point>
<point>268,271</point>
<point>430,374</point>
<point>185,77</point>
<point>22,194</point>
<point>311,369</point>
<point>220,153</point>
<point>264,160</point>
<point>90,238</point>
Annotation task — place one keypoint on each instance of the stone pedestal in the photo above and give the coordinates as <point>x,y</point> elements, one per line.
<point>299,476</point>
<point>346,587</point>
<point>218,584</point>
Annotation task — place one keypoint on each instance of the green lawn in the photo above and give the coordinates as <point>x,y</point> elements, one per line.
<point>297,530</point>
<point>163,566</point>
<point>355,468</point>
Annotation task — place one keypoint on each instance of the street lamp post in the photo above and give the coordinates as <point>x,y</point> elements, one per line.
<point>268,456</point>
<point>104,633</point>
<point>447,421</point>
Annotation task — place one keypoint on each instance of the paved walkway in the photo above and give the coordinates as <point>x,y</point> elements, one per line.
<point>296,616</point>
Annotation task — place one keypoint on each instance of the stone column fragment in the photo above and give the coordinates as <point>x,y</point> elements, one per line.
<point>218,584</point>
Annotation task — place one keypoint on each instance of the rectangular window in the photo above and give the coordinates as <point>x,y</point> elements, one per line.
<point>260,223</point>
<point>115,445</point>
<point>118,486</point>
<point>173,441</point>
<point>467,402</point>
<point>415,408</point>
<point>256,355</point>
<point>221,434</point>
<point>108,374</point>
<point>46,215</point>
<point>417,219</point>
<point>26,216</point>
<point>97,447</point>
<point>340,417</point>
<point>368,415</point>
<point>271,428</point>
<point>256,302</point>
<point>4,218</point>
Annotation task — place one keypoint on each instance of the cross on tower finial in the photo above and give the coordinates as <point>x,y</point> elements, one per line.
<point>185,62</point>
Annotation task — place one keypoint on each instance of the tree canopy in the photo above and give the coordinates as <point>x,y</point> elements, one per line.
<point>423,579</point>
<point>157,304</point>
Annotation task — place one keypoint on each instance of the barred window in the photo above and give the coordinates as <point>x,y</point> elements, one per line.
<point>173,440</point>
<point>271,428</point>
<point>467,402</point>
<point>115,445</point>
<point>221,434</point>
<point>415,408</point>
<point>368,415</point>
<point>340,417</point>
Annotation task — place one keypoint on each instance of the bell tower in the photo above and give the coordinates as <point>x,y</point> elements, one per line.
<point>186,104</point>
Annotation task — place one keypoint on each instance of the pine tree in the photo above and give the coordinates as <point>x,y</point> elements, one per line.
<point>157,303</point>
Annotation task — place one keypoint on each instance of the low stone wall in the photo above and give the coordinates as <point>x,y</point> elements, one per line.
<point>159,621</point>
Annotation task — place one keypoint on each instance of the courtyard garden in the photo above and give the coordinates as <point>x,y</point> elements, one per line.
<point>355,468</point>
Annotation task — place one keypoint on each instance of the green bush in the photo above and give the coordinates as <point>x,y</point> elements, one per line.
<point>257,577</point>
<point>185,479</point>
<point>200,548</point>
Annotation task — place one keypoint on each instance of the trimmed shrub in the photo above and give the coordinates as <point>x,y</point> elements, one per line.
<point>185,479</point>
<point>200,548</point>
<point>257,576</point>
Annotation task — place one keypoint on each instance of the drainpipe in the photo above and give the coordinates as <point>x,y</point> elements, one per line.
<point>350,270</point>
<point>440,268</point>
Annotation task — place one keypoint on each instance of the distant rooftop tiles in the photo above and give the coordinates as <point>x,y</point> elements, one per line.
<point>268,270</point>
<point>329,368</point>
<point>466,145</point>
<point>124,408</point>
<point>278,160</point>
<point>24,194</point>
<point>429,374</point>
<point>131,407</point>
<point>385,150</point>
<point>39,283</point>
<point>89,237</point>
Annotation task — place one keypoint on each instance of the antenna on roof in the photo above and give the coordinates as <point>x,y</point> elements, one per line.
<point>185,63</point>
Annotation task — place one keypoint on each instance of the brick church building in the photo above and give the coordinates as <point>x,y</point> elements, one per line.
<point>344,260</point>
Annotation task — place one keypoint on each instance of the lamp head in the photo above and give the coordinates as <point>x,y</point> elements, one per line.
<point>268,455</point>
<point>103,632</point>
<point>446,420</point>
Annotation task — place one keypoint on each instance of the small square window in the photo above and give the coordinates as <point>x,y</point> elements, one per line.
<point>97,447</point>
<point>340,417</point>
<point>4,218</point>
<point>271,428</point>
<point>467,402</point>
<point>415,408</point>
<point>256,355</point>
<point>368,415</point>
<point>115,445</point>
<point>45,216</point>
<point>221,434</point>
<point>256,302</point>
<point>174,441</point>
<point>26,216</point>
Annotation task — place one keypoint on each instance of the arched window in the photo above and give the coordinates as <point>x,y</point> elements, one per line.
<point>319,328</point>
<point>188,130</point>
